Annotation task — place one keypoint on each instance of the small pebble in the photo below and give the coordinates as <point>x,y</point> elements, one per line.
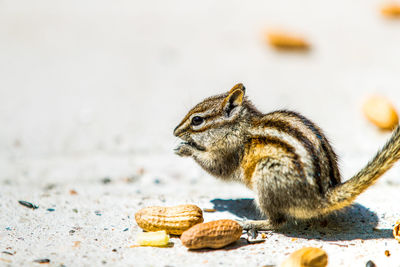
<point>253,233</point>
<point>141,171</point>
<point>49,186</point>
<point>106,180</point>
<point>387,253</point>
<point>131,179</point>
<point>28,204</point>
<point>370,264</point>
<point>209,210</point>
<point>42,261</point>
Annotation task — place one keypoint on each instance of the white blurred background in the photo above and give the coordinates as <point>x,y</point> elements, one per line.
<point>82,78</point>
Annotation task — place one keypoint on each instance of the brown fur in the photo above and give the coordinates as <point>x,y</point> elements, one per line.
<point>284,157</point>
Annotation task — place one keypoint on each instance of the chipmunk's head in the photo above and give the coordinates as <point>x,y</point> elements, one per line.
<point>212,121</point>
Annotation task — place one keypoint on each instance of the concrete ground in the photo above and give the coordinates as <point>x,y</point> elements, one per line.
<point>91,91</point>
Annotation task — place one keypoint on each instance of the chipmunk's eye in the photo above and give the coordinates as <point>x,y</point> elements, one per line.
<point>197,120</point>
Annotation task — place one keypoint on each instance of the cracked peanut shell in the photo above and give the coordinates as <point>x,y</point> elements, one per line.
<point>153,239</point>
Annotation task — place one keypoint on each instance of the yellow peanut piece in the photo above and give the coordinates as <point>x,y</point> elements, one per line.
<point>396,231</point>
<point>174,220</point>
<point>391,10</point>
<point>214,234</point>
<point>307,257</point>
<point>153,239</point>
<point>381,112</point>
<point>288,41</point>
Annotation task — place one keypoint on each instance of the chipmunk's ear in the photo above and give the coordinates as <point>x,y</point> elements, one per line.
<point>234,100</point>
<point>238,86</point>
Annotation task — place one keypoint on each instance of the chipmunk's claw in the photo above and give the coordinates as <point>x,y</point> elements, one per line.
<point>251,230</point>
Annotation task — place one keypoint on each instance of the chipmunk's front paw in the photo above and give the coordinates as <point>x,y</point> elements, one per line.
<point>247,225</point>
<point>184,150</point>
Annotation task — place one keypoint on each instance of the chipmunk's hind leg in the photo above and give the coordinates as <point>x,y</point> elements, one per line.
<point>273,184</point>
<point>274,221</point>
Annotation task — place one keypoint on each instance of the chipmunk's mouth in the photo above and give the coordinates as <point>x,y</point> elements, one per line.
<point>195,145</point>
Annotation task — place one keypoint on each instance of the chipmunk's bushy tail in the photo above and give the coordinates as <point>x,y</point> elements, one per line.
<point>344,194</point>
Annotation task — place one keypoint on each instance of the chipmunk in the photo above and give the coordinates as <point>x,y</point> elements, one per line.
<point>282,156</point>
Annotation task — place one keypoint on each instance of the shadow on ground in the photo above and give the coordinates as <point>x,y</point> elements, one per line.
<point>242,242</point>
<point>354,222</point>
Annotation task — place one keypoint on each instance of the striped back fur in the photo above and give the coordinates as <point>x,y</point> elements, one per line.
<point>317,158</point>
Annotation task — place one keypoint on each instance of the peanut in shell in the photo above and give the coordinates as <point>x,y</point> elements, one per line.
<point>391,10</point>
<point>287,41</point>
<point>396,231</point>
<point>174,220</point>
<point>381,112</point>
<point>214,234</point>
<point>307,257</point>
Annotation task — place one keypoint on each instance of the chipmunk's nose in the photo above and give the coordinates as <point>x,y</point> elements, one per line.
<point>180,129</point>
<point>177,132</point>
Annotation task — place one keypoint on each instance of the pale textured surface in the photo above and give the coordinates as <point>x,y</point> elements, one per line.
<point>93,89</point>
